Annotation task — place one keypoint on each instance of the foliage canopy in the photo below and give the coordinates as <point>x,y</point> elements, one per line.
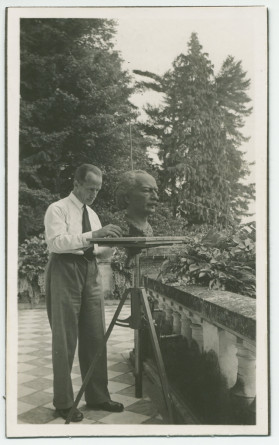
<point>198,136</point>
<point>75,108</point>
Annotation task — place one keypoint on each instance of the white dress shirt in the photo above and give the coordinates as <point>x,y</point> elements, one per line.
<point>63,226</point>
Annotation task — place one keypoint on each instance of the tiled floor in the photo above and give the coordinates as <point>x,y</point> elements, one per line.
<point>35,375</point>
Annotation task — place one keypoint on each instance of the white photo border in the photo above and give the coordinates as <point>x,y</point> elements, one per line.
<point>20,430</point>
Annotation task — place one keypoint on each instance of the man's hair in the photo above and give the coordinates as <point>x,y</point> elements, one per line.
<point>82,170</point>
<point>127,183</point>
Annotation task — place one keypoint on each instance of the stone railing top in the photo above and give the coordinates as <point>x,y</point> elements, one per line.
<point>235,312</point>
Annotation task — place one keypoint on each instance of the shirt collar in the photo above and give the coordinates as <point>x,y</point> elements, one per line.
<point>75,200</point>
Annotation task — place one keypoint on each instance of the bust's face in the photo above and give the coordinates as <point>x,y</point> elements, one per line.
<point>143,198</point>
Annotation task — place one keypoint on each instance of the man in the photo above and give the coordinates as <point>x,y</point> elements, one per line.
<point>74,294</point>
<point>137,193</point>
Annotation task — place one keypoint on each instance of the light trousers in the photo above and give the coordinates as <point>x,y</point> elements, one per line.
<point>75,310</point>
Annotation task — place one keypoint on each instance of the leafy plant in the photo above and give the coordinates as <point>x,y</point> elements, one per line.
<point>223,261</point>
<point>33,256</point>
<point>118,260</point>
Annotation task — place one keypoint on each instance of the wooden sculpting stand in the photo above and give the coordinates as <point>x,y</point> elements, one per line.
<point>139,305</point>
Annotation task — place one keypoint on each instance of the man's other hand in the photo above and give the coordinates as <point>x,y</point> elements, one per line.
<point>108,231</point>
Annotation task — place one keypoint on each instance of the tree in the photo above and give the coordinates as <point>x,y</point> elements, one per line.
<point>198,131</point>
<point>74,108</point>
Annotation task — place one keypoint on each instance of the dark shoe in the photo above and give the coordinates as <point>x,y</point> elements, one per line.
<point>113,407</point>
<point>76,417</point>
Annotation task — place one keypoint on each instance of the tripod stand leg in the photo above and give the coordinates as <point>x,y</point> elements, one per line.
<point>158,356</point>
<point>138,364</point>
<point>97,356</point>
<point>136,309</point>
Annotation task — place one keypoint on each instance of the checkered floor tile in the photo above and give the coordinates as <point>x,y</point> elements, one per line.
<point>35,375</point>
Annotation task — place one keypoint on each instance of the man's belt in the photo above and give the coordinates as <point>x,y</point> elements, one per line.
<point>87,256</point>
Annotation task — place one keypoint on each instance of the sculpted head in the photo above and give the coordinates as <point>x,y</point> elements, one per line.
<point>137,193</point>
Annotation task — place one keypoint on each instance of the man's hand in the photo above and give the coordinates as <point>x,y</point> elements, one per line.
<point>108,231</point>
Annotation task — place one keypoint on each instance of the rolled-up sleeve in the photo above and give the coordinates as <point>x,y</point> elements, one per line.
<point>57,237</point>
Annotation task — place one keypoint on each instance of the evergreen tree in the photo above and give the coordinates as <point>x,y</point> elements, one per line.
<point>198,131</point>
<point>74,108</point>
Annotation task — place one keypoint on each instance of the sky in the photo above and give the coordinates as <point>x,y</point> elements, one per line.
<point>151,41</point>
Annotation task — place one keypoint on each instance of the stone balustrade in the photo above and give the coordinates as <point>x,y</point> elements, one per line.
<point>219,323</point>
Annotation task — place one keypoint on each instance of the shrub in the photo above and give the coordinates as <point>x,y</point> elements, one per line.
<point>32,259</point>
<point>122,275</point>
<point>223,261</point>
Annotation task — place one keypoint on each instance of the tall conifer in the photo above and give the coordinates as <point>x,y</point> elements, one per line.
<point>198,131</point>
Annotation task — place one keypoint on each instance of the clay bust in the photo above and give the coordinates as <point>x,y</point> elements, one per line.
<point>137,193</point>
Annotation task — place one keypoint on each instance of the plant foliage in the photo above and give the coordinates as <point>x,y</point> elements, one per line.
<point>223,261</point>
<point>32,258</point>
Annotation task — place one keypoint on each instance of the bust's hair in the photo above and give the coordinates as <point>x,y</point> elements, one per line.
<point>127,183</point>
<point>82,170</point>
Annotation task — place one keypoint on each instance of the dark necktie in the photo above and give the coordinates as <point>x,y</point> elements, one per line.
<point>86,227</point>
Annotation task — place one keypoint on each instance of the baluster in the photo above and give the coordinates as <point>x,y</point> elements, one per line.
<point>245,387</point>
<point>168,310</point>
<point>186,330</point>
<point>228,360</point>
<point>210,338</point>
<point>158,314</point>
<point>197,331</point>
<point>176,321</point>
<point>169,317</point>
<point>161,303</point>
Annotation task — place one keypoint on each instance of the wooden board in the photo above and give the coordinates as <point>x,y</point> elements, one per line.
<point>139,242</point>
